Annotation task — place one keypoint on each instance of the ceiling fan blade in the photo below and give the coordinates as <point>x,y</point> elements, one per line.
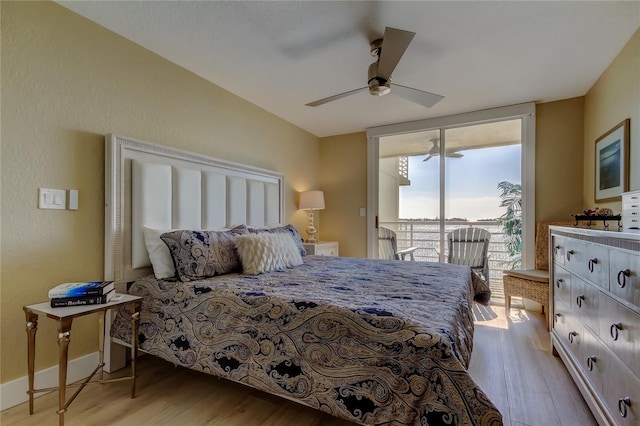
<point>429,157</point>
<point>454,154</point>
<point>336,97</point>
<point>423,98</point>
<point>394,44</point>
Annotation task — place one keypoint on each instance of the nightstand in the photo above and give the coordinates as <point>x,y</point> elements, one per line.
<point>64,317</point>
<point>322,248</point>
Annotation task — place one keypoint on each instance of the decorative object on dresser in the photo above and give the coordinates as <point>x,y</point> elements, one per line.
<point>596,317</point>
<point>599,214</point>
<point>323,248</point>
<point>612,163</point>
<point>631,210</point>
<point>310,201</point>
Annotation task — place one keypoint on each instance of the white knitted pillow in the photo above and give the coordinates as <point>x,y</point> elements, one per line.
<point>267,252</point>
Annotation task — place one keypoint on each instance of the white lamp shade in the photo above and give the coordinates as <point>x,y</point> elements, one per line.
<point>311,200</point>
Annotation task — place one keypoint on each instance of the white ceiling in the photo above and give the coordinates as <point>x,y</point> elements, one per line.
<point>282,55</point>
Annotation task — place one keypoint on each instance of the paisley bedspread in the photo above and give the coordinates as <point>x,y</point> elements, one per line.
<point>371,341</point>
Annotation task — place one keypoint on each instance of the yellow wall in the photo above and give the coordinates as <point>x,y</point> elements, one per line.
<point>343,178</point>
<point>613,98</point>
<point>65,83</point>
<point>559,141</point>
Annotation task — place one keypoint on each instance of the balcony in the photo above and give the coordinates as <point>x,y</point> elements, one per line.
<point>426,236</point>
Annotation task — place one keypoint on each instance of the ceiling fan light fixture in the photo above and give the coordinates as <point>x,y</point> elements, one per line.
<point>377,89</point>
<point>388,50</point>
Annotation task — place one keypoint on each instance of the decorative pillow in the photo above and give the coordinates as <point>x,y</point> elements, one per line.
<point>202,254</point>
<point>267,252</point>
<point>288,229</point>
<point>159,253</point>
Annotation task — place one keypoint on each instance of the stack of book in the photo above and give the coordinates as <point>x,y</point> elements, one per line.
<point>80,294</point>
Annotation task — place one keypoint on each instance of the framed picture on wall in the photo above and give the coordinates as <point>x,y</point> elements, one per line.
<point>612,163</point>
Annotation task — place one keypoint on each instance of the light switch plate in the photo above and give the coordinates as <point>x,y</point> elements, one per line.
<point>52,199</point>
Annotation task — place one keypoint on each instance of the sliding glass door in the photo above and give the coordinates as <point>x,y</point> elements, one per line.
<point>434,181</point>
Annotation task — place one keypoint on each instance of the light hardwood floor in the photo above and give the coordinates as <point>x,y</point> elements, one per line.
<point>511,362</point>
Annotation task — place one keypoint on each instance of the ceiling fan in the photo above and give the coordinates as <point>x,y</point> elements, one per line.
<point>435,151</point>
<point>389,51</point>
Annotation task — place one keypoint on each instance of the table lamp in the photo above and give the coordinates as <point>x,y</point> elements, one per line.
<point>310,201</point>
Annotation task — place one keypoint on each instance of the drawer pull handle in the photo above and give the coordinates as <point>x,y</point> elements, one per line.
<point>590,360</point>
<point>572,335</point>
<point>622,277</point>
<point>569,253</point>
<point>592,262</point>
<point>556,249</point>
<point>558,282</point>
<point>614,329</point>
<point>556,316</point>
<point>579,300</point>
<point>623,403</point>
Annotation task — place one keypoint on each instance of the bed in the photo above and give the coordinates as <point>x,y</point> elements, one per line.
<point>371,341</point>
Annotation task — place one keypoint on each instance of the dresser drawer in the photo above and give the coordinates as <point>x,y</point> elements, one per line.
<point>624,276</point>
<point>591,360</point>
<point>327,251</point>
<point>619,385</point>
<point>597,264</point>
<point>620,331</point>
<point>558,248</point>
<point>631,210</point>
<point>584,303</point>
<point>562,286</point>
<point>575,256</point>
<point>568,329</point>
<point>631,222</point>
<point>322,248</point>
<point>631,201</point>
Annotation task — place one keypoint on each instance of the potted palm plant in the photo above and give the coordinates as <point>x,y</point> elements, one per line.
<point>511,221</point>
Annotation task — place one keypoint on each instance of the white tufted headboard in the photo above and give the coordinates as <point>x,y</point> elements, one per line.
<point>167,188</point>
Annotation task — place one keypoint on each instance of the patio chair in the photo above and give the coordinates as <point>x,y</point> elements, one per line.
<point>470,246</point>
<point>388,246</point>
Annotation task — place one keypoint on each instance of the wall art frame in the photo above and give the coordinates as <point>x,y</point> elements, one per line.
<point>612,163</point>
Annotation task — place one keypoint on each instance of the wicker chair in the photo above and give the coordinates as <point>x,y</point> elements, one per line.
<point>388,246</point>
<point>532,284</point>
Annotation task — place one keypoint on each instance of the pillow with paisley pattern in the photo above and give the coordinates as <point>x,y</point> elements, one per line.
<point>202,254</point>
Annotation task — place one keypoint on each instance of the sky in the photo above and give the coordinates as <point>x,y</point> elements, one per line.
<point>471,184</point>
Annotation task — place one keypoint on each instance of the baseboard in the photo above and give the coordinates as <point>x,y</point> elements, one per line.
<point>15,392</point>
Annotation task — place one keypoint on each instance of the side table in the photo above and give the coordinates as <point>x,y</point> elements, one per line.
<point>322,248</point>
<point>64,317</point>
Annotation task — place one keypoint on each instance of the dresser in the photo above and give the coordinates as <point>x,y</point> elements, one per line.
<point>322,248</point>
<point>595,306</point>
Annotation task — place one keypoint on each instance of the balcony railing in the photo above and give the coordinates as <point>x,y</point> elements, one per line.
<point>426,236</point>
